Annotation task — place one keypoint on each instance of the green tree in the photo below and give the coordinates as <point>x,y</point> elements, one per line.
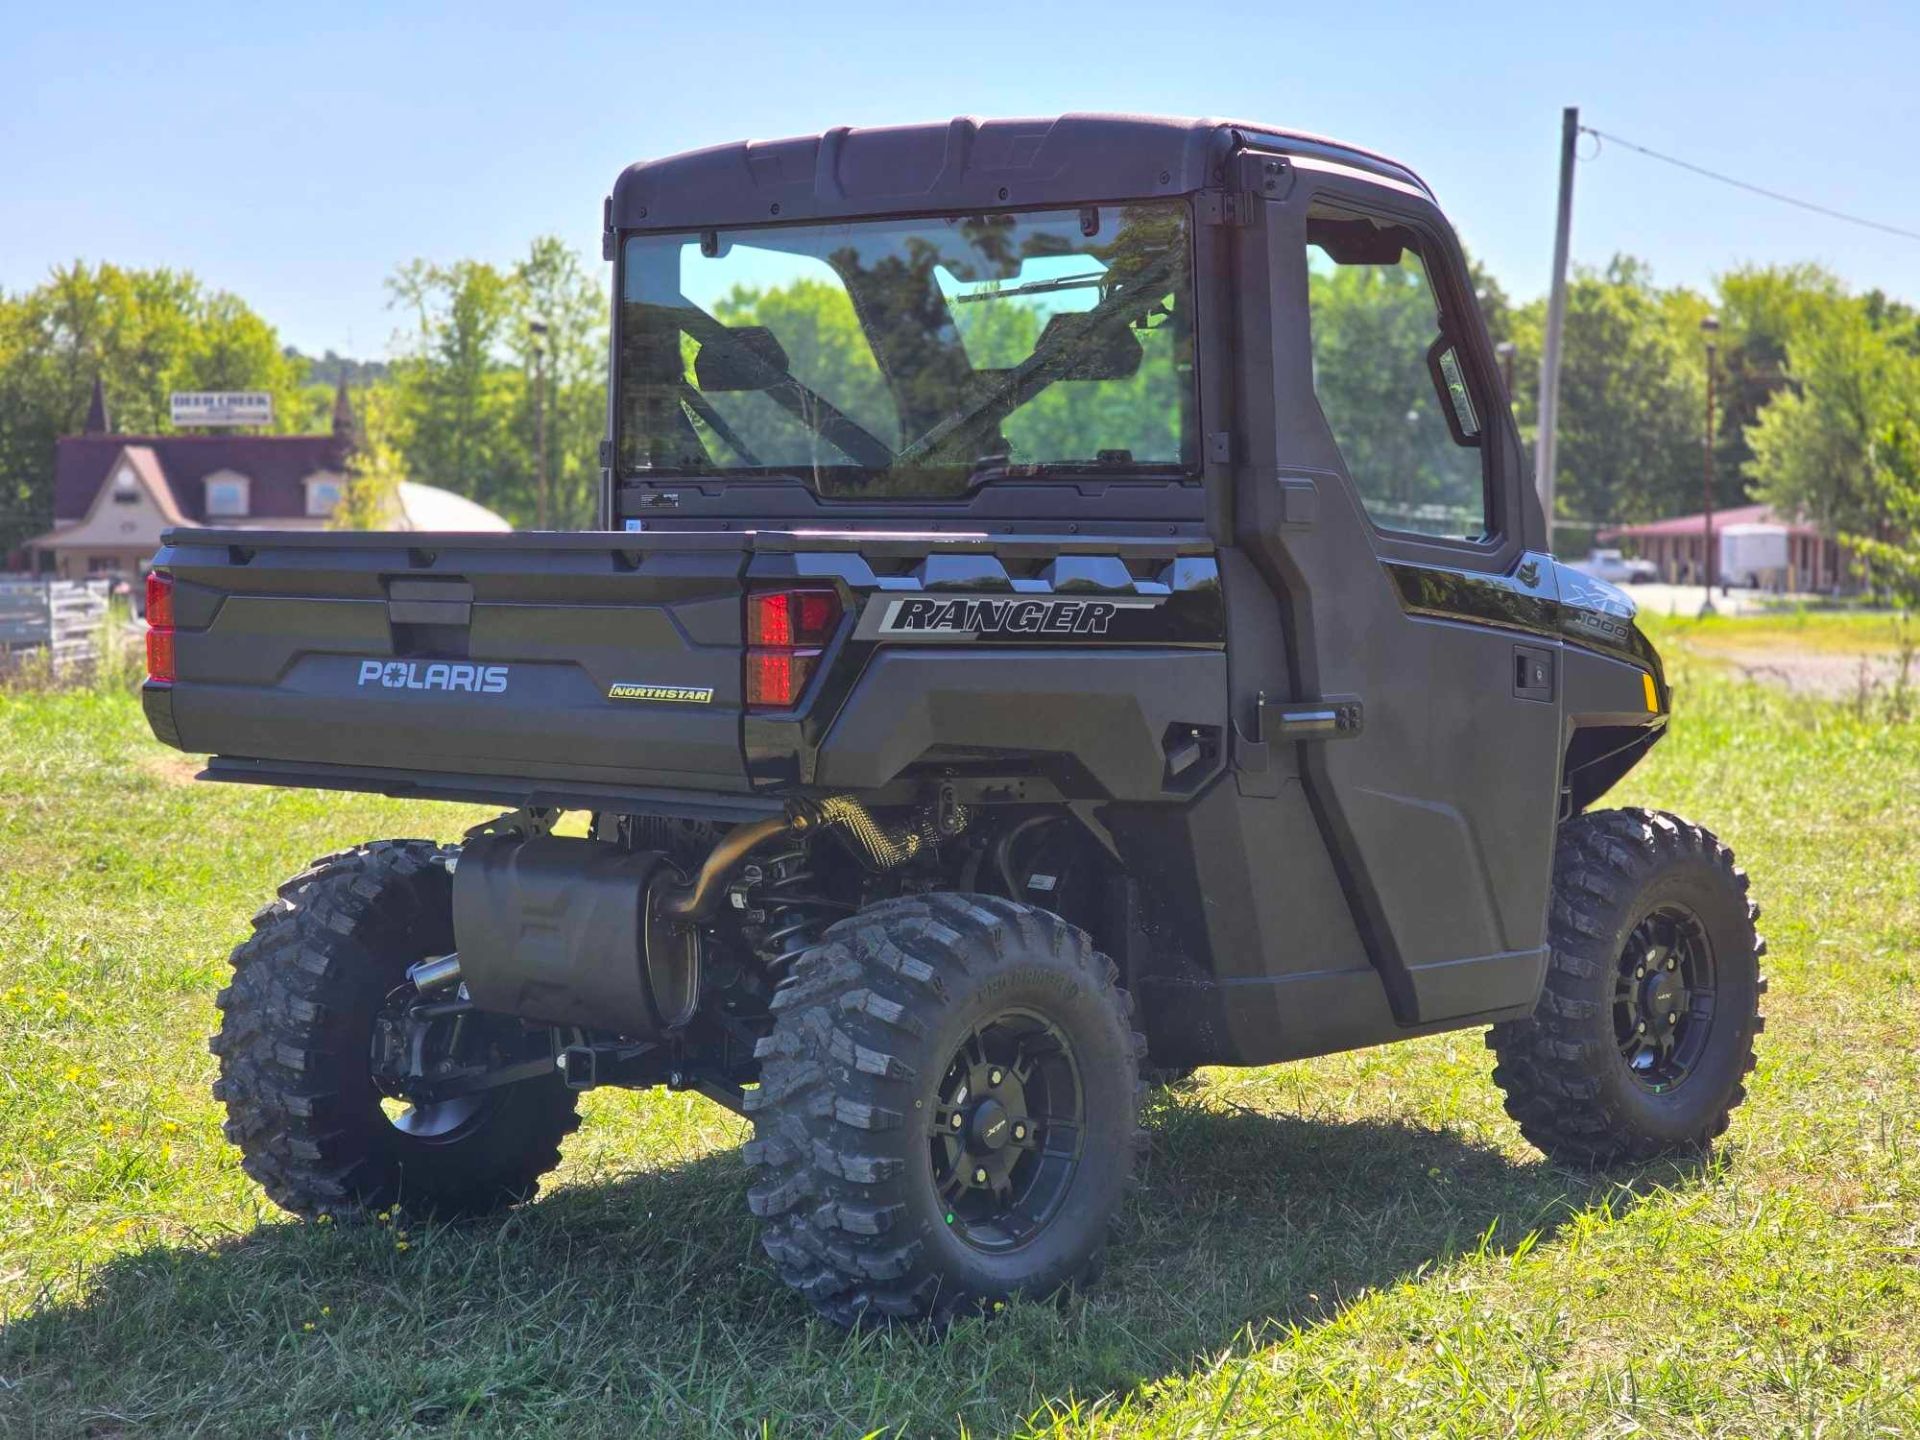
<point>1496,307</point>
<point>144,334</point>
<point>1762,308</point>
<point>1632,400</point>
<point>456,397</point>
<point>1892,554</point>
<point>1372,326</point>
<point>465,413</point>
<point>554,289</point>
<point>1838,443</point>
<point>374,469</point>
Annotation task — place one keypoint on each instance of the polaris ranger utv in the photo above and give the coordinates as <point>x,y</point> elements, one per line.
<point>1069,607</point>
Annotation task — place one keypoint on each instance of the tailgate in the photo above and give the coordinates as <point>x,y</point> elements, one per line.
<point>606,660</point>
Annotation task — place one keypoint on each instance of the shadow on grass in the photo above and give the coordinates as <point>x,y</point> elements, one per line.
<point>640,1304</point>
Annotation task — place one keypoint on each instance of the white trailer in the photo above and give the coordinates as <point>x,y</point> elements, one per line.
<point>1754,556</point>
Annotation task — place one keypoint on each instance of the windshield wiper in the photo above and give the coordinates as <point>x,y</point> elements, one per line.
<point>1032,287</point>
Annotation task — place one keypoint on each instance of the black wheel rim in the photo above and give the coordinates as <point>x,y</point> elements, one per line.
<point>1663,998</point>
<point>1007,1130</point>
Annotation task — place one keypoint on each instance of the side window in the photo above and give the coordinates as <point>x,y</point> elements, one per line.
<point>1390,379</point>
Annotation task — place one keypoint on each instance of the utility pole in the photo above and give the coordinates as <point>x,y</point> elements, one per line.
<point>1546,445</point>
<point>542,507</point>
<point>1710,328</point>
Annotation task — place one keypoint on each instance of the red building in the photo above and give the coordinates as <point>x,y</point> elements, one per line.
<point>114,494</point>
<point>1678,546</point>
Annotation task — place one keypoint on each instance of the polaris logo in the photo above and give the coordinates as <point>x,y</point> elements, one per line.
<point>935,615</point>
<point>434,675</point>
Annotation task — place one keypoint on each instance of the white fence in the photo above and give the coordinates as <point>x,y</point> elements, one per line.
<point>63,617</point>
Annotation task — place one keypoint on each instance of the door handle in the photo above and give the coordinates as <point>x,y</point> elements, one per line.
<point>1532,673</point>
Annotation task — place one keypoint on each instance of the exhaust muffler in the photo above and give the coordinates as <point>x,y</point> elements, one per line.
<point>573,932</point>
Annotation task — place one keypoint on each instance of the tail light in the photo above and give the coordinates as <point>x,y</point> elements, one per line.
<point>786,631</point>
<point>159,627</point>
<point>786,619</point>
<point>776,679</point>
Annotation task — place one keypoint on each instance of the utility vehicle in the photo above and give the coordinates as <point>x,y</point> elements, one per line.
<point>1068,608</point>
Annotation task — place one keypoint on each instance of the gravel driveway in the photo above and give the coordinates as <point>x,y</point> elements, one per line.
<point>1810,672</point>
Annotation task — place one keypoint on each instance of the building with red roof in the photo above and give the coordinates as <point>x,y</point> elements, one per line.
<point>1677,545</point>
<point>114,494</point>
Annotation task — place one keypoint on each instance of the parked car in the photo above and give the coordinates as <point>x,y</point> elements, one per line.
<point>1615,568</point>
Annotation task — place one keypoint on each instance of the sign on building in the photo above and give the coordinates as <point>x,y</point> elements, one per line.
<point>222,407</point>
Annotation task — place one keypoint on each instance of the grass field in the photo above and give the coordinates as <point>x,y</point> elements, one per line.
<point>1359,1245</point>
<point>1827,632</point>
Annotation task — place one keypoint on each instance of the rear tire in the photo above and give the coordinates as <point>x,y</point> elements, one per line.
<point>295,1053</point>
<point>1644,1030</point>
<point>898,1177</point>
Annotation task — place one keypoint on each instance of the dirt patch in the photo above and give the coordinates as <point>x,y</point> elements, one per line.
<point>1809,672</point>
<point>173,767</point>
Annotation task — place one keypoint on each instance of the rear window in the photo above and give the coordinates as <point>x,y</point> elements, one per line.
<point>919,357</point>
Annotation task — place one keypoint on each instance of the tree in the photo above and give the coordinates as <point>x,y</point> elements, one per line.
<point>455,397</point>
<point>554,289</point>
<point>1372,327</point>
<point>1496,308</point>
<point>371,499</point>
<point>143,334</point>
<point>1632,403</point>
<point>1762,309</point>
<point>465,414</point>
<point>1892,556</point>
<point>1838,442</point>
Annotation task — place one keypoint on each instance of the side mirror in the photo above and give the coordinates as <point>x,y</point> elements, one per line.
<point>1456,400</point>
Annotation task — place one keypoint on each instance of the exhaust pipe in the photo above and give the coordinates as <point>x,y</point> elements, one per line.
<point>435,974</point>
<point>696,901</point>
<point>887,848</point>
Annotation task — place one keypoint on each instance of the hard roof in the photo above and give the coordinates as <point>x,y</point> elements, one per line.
<point>964,163</point>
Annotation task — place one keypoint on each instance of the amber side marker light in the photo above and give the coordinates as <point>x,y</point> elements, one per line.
<point>159,627</point>
<point>1653,696</point>
<point>786,631</point>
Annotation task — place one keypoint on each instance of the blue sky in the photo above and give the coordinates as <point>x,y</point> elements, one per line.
<point>297,155</point>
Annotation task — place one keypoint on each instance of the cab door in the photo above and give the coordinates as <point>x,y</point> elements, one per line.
<point>1391,521</point>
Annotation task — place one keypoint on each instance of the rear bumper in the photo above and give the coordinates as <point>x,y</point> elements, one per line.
<point>503,790</point>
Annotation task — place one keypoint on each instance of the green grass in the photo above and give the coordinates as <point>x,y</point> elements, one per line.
<point>1357,1245</point>
<point>1829,632</point>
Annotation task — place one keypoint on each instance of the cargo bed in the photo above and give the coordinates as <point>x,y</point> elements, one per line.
<point>457,664</point>
<point>591,670</point>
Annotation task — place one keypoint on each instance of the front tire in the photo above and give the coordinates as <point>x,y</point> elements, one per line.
<point>1644,1030</point>
<point>295,1042</point>
<point>948,1109</point>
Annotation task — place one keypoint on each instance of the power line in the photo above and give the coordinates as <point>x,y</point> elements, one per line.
<point>1830,213</point>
